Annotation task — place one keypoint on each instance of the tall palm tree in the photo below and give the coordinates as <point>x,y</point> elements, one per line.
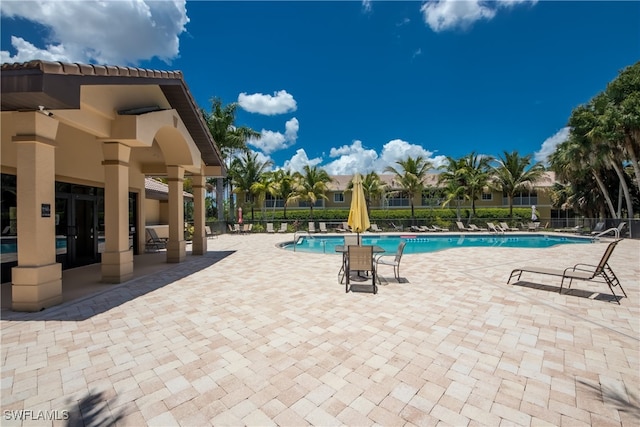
<point>372,186</point>
<point>247,171</point>
<point>230,139</point>
<point>410,177</point>
<point>453,176</point>
<point>476,175</point>
<point>311,185</point>
<point>284,188</point>
<point>515,173</point>
<point>624,112</point>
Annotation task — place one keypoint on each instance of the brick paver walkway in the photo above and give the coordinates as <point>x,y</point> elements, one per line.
<point>253,335</point>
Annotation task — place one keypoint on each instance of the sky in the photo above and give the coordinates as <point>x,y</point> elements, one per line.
<point>355,86</point>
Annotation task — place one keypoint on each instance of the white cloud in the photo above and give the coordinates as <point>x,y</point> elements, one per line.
<point>84,31</point>
<point>398,149</point>
<point>270,141</point>
<point>549,145</point>
<point>299,161</point>
<point>351,159</point>
<point>281,102</point>
<point>443,15</point>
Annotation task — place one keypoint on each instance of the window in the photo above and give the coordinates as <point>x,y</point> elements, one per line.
<point>397,200</point>
<point>487,196</point>
<point>304,204</point>
<point>525,198</point>
<point>269,202</point>
<point>338,197</point>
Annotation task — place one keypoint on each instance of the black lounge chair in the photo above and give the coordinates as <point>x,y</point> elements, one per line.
<point>600,273</point>
<point>155,242</point>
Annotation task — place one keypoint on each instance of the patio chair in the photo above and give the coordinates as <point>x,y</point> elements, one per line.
<point>505,227</point>
<point>533,226</point>
<point>495,228</point>
<point>599,228</point>
<point>461,227</point>
<point>395,227</point>
<point>436,228</point>
<point>153,241</point>
<point>343,228</point>
<point>375,228</point>
<point>395,262</point>
<point>360,259</point>
<point>208,233</point>
<point>599,273</point>
<point>323,227</point>
<point>474,227</point>
<point>283,227</point>
<point>349,240</point>
<point>270,228</point>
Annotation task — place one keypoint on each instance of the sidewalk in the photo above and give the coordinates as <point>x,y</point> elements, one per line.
<point>250,334</point>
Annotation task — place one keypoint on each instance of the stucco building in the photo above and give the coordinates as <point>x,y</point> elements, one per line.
<point>77,143</point>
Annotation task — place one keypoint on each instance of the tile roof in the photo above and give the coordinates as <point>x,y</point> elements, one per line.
<point>27,85</point>
<point>158,190</point>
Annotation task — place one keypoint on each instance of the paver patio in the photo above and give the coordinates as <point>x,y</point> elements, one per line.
<point>250,334</point>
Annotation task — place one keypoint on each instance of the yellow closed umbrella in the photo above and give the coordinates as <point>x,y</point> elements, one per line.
<point>358,215</point>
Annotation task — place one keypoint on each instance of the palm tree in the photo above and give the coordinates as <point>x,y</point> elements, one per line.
<point>453,176</point>
<point>311,185</point>
<point>515,173</point>
<point>247,171</point>
<point>372,186</point>
<point>624,94</point>
<point>284,186</point>
<point>230,139</point>
<point>476,175</point>
<point>411,177</point>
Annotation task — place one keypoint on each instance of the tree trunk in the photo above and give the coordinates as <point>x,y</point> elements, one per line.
<point>232,208</point>
<point>629,146</point>
<point>605,193</point>
<point>625,189</point>
<point>220,199</point>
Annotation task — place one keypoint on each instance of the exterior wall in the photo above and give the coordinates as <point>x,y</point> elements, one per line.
<point>152,212</point>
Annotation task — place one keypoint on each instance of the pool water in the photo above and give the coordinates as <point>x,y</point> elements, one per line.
<point>417,244</point>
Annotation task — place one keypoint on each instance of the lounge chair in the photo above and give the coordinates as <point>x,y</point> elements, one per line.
<point>323,227</point>
<point>436,228</point>
<point>283,227</point>
<point>599,228</point>
<point>474,227</point>
<point>617,231</point>
<point>395,227</point>
<point>395,262</point>
<point>312,227</point>
<point>495,228</point>
<point>599,273</point>
<point>344,228</point>
<point>418,229</point>
<point>360,259</point>
<point>505,227</point>
<point>270,228</point>
<point>375,228</point>
<point>153,241</point>
<point>461,227</point>
<point>533,226</point>
<point>208,233</point>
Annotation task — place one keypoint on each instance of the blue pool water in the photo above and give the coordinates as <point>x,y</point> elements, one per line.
<point>423,243</point>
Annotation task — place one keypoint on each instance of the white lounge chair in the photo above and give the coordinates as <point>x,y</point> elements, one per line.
<point>312,227</point>
<point>474,227</point>
<point>461,227</point>
<point>505,227</point>
<point>283,227</point>
<point>270,228</point>
<point>375,228</point>
<point>495,228</point>
<point>323,227</point>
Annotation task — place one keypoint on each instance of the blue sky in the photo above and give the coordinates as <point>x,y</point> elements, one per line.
<point>355,86</point>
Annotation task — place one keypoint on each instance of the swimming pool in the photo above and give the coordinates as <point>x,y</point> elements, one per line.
<point>423,243</point>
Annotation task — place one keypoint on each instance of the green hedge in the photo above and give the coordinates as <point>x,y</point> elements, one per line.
<point>422,215</point>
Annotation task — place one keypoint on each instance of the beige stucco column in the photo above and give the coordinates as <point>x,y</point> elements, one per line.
<point>117,258</point>
<point>199,239</point>
<point>37,279</point>
<point>176,246</point>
